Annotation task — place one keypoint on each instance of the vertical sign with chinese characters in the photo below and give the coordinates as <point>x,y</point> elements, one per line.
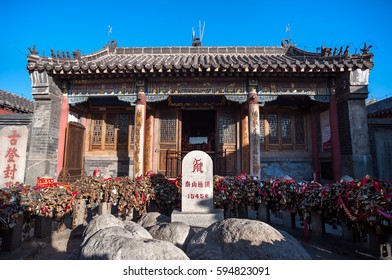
<point>197,183</point>
<point>13,147</point>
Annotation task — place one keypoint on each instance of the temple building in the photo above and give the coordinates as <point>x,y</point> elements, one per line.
<point>265,111</point>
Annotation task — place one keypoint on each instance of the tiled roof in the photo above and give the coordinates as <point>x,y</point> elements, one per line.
<point>15,103</point>
<point>198,59</point>
<point>380,108</point>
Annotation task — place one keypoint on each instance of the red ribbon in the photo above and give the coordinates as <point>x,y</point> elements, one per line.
<point>386,215</point>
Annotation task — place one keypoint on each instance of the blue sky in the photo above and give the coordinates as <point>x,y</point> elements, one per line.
<point>72,25</point>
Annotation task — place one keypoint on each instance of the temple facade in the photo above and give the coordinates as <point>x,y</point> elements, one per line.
<point>265,111</point>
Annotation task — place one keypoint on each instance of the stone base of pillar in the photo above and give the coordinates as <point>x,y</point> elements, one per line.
<point>317,223</point>
<point>197,219</point>
<point>287,219</point>
<point>380,246</point>
<point>281,217</point>
<point>152,206</point>
<point>79,213</point>
<point>347,233</point>
<point>242,211</point>
<point>12,238</point>
<point>42,227</point>
<point>129,215</point>
<point>264,214</point>
<point>104,208</point>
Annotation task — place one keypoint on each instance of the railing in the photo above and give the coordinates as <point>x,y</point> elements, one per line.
<point>174,162</point>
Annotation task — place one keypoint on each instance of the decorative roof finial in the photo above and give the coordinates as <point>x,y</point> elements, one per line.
<point>346,50</point>
<point>76,55</point>
<point>33,50</point>
<point>112,46</point>
<point>366,49</point>
<point>196,41</point>
<point>288,31</point>
<point>340,51</point>
<point>325,51</point>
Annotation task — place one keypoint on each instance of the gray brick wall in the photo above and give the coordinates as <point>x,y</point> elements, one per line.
<point>44,133</point>
<point>298,170</point>
<point>112,165</point>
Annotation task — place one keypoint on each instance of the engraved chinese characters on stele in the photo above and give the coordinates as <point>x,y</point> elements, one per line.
<point>197,183</point>
<point>13,146</point>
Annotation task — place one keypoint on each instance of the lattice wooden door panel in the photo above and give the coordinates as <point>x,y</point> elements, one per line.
<point>227,143</point>
<point>169,164</point>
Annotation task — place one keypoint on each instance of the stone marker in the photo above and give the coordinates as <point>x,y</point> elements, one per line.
<point>197,205</point>
<point>13,146</point>
<point>42,227</point>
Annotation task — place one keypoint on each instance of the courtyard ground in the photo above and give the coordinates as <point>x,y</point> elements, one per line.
<point>65,245</point>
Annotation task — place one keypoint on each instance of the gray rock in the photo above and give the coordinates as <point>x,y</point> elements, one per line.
<point>109,221</point>
<point>152,218</point>
<point>101,222</point>
<point>107,245</point>
<point>176,233</point>
<point>137,230</point>
<point>241,239</point>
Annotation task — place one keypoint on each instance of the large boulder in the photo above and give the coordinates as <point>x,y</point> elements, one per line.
<point>150,219</point>
<point>136,229</point>
<point>115,244</point>
<point>176,233</point>
<point>108,221</point>
<point>243,239</point>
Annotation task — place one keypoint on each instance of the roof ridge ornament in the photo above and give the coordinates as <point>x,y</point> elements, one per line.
<point>112,46</point>
<point>196,41</point>
<point>365,49</point>
<point>33,50</point>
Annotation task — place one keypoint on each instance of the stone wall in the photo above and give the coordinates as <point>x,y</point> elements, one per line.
<point>353,128</point>
<point>44,135</point>
<point>113,166</point>
<point>298,170</point>
<point>380,127</point>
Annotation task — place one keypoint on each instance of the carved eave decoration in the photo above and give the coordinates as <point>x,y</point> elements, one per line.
<point>201,60</point>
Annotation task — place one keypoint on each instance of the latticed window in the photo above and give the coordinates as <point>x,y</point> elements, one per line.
<point>97,128</point>
<point>111,119</point>
<point>227,128</point>
<point>272,120</point>
<point>282,131</point>
<point>110,130</point>
<point>168,126</point>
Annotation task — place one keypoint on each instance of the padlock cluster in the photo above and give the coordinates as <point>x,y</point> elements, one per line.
<point>18,200</point>
<point>362,204</point>
<point>10,206</point>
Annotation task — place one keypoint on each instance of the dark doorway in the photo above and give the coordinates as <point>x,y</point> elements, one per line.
<point>198,130</point>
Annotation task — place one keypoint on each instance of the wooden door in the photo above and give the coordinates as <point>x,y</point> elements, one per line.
<point>226,159</point>
<point>169,150</point>
<point>73,166</point>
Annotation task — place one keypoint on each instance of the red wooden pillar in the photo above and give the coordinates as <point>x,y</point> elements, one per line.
<point>140,123</point>
<point>254,135</point>
<point>315,148</point>
<point>62,133</point>
<point>245,168</point>
<point>148,143</point>
<point>335,139</point>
